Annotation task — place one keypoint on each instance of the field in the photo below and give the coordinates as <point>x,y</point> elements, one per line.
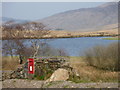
<point>30,34</point>
<point>9,63</point>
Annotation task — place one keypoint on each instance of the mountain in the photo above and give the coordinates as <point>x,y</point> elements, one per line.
<point>84,19</point>
<point>6,19</point>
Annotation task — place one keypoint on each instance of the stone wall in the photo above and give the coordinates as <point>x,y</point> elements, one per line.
<point>44,68</point>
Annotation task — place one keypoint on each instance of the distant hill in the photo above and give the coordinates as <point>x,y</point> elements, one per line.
<point>6,19</point>
<point>85,19</point>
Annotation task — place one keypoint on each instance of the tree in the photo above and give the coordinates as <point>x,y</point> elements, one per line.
<point>10,45</point>
<point>14,45</point>
<point>33,26</point>
<point>62,52</point>
<point>37,27</point>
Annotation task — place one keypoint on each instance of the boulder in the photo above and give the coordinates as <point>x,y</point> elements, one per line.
<point>59,75</point>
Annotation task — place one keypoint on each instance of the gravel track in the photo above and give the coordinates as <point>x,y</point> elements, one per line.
<point>22,83</point>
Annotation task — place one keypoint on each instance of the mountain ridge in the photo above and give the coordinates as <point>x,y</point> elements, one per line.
<point>6,19</point>
<point>86,18</point>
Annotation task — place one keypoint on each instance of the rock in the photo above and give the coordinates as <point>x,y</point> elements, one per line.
<point>59,75</point>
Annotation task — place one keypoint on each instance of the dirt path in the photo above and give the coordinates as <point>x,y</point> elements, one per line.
<point>22,83</point>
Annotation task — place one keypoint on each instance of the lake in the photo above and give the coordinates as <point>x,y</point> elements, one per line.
<point>77,46</point>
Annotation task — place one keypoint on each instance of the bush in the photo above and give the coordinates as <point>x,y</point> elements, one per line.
<point>103,57</point>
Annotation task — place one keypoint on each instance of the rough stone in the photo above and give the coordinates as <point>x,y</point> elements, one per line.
<point>59,75</point>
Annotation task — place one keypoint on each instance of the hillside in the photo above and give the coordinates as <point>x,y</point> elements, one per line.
<point>85,19</point>
<point>6,19</point>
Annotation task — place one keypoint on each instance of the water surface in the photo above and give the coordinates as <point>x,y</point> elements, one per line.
<point>77,46</point>
<point>74,46</point>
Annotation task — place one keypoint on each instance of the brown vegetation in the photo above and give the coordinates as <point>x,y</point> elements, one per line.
<point>9,63</point>
<point>86,73</point>
<point>30,34</point>
<point>11,30</point>
<point>40,32</point>
<point>103,57</point>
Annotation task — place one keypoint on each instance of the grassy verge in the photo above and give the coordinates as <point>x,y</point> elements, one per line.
<point>112,38</point>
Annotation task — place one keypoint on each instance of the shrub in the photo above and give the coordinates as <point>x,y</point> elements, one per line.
<point>103,57</point>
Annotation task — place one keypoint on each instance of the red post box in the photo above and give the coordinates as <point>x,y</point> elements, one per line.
<point>31,66</point>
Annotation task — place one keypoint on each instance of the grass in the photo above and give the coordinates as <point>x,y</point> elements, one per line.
<point>53,83</point>
<point>66,86</point>
<point>9,63</point>
<point>89,73</point>
<point>40,77</point>
<point>112,38</point>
